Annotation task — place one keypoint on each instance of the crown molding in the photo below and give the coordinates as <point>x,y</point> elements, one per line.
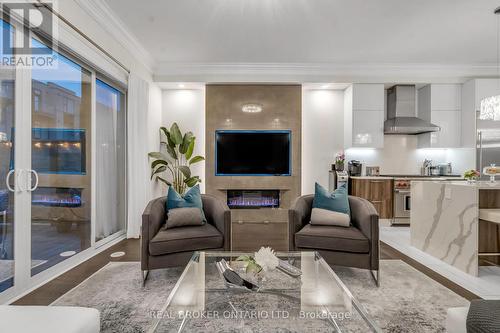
<point>320,72</point>
<point>110,22</point>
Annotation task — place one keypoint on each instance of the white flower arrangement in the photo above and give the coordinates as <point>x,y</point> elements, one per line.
<point>266,258</point>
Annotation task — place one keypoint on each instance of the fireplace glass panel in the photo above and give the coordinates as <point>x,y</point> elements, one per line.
<point>253,198</point>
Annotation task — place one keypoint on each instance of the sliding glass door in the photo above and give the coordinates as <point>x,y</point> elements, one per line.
<point>62,165</point>
<point>7,122</point>
<point>60,161</point>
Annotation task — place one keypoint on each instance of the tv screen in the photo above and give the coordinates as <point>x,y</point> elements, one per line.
<point>257,153</point>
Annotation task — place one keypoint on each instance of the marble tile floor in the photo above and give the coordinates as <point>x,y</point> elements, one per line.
<point>486,285</point>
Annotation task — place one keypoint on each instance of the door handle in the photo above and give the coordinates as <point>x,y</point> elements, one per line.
<point>7,181</point>
<point>20,183</point>
<point>34,187</point>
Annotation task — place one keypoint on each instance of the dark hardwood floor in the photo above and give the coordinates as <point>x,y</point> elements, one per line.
<point>54,289</point>
<point>64,283</point>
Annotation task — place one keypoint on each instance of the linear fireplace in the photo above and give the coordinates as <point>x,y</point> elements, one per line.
<point>253,198</point>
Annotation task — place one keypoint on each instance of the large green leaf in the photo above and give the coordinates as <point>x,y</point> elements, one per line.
<point>186,141</point>
<point>192,181</point>
<point>157,155</point>
<point>158,162</point>
<point>185,171</point>
<point>196,159</point>
<point>171,152</point>
<point>169,139</point>
<point>190,149</point>
<point>175,134</point>
<point>164,130</point>
<point>164,180</point>
<point>158,170</point>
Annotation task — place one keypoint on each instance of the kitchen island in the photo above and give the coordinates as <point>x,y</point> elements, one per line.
<point>456,222</point>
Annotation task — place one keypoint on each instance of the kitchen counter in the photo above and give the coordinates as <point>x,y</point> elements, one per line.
<point>481,185</point>
<point>444,220</point>
<point>416,177</point>
<point>372,177</point>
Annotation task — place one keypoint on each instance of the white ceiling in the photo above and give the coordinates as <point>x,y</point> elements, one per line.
<point>448,32</point>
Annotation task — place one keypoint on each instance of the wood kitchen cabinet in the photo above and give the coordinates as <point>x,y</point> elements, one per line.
<point>378,191</point>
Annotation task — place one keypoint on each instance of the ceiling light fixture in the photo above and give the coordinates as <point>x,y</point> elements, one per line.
<point>251,108</point>
<point>490,106</point>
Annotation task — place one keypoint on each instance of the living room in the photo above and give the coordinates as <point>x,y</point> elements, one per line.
<point>253,166</point>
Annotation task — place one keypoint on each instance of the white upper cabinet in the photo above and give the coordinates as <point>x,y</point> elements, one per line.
<point>441,104</point>
<point>446,97</point>
<point>473,91</point>
<point>364,116</point>
<point>368,97</point>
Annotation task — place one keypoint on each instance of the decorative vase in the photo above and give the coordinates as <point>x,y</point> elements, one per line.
<point>339,166</point>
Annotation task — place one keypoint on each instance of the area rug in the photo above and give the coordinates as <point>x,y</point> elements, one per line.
<point>406,301</point>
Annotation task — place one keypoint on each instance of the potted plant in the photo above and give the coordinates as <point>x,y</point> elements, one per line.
<point>177,160</point>
<point>471,175</point>
<point>339,161</point>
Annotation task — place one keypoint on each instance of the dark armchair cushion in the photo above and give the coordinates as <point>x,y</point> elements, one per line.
<point>182,239</point>
<point>332,238</point>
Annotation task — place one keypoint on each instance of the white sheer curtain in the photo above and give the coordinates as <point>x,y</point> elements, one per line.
<point>138,148</point>
<point>109,161</point>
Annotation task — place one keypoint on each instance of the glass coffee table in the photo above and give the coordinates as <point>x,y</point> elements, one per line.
<point>316,301</point>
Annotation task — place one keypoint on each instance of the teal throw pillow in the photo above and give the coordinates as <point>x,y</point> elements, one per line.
<point>336,201</point>
<point>192,198</point>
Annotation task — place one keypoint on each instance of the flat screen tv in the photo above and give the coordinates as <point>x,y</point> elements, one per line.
<point>252,153</point>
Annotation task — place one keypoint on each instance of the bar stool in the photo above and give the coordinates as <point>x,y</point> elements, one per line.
<point>489,235</point>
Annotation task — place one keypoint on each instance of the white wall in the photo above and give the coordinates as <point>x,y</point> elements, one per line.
<point>155,118</point>
<point>187,108</point>
<point>322,134</point>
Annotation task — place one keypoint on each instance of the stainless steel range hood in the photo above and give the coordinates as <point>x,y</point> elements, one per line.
<point>402,114</point>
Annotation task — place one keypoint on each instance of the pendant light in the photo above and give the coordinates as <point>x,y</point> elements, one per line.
<point>490,106</point>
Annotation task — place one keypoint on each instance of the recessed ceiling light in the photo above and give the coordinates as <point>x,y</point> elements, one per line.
<point>182,85</point>
<point>251,108</point>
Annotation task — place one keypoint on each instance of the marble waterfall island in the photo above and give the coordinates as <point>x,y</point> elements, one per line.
<point>444,221</point>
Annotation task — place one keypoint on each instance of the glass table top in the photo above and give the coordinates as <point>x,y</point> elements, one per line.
<point>316,301</point>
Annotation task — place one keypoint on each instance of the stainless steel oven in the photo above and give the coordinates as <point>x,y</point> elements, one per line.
<point>402,201</point>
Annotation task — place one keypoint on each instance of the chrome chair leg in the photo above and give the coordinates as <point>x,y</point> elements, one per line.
<point>144,277</point>
<point>377,278</point>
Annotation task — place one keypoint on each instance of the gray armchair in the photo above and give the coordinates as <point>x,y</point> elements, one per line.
<point>354,246</point>
<point>162,248</point>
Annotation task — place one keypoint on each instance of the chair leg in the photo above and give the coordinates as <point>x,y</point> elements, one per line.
<point>144,277</point>
<point>377,278</point>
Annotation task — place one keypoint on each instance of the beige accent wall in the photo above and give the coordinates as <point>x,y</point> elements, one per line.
<point>282,108</point>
